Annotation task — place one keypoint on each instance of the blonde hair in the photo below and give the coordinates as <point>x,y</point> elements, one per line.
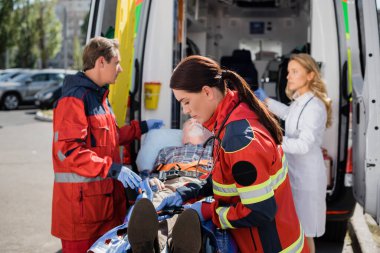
<point>316,85</point>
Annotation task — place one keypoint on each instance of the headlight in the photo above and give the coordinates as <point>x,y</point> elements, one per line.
<point>48,95</point>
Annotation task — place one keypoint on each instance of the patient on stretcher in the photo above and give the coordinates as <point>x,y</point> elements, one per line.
<point>174,166</point>
<point>177,165</point>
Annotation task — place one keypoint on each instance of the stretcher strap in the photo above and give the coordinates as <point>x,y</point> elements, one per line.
<point>185,166</point>
<point>165,175</point>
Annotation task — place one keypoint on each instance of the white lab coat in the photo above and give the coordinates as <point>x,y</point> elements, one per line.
<point>302,147</point>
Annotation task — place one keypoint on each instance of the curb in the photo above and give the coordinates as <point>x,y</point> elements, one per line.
<point>44,115</point>
<point>360,234</point>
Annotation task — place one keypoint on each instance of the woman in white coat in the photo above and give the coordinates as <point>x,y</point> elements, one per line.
<point>305,122</point>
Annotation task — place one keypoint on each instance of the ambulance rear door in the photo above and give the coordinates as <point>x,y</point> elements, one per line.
<point>366,106</point>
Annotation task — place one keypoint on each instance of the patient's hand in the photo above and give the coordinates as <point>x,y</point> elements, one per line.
<point>155,181</point>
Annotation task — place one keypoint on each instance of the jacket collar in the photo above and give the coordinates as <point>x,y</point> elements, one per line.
<point>81,80</point>
<point>222,111</point>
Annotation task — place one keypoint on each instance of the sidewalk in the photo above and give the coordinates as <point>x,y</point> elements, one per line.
<point>44,115</point>
<point>364,231</point>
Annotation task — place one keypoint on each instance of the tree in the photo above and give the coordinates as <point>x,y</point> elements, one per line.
<point>84,28</point>
<point>48,30</point>
<point>6,29</point>
<point>77,53</point>
<point>26,36</point>
<point>30,30</point>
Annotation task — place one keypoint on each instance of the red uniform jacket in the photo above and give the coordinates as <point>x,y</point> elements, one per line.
<point>87,200</point>
<point>249,183</point>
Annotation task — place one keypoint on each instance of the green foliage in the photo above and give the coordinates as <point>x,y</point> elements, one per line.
<point>77,53</point>
<point>49,31</point>
<point>34,32</point>
<point>84,28</point>
<point>6,28</point>
<point>25,35</point>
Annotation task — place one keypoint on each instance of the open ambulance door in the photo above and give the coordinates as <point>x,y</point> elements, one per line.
<point>150,36</point>
<point>366,106</point>
<point>162,51</point>
<point>117,19</point>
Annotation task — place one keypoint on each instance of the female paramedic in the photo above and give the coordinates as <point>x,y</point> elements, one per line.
<point>305,122</point>
<point>249,181</point>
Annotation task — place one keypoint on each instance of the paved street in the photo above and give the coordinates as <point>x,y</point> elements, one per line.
<point>26,180</point>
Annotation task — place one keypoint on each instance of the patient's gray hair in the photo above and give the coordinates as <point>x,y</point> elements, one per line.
<point>194,132</point>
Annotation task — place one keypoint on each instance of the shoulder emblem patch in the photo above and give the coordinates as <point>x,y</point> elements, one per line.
<point>238,135</point>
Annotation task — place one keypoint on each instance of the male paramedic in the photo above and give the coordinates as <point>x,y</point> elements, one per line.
<point>89,179</point>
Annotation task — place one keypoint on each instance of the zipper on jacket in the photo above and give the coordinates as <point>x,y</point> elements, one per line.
<point>253,239</point>
<point>81,201</point>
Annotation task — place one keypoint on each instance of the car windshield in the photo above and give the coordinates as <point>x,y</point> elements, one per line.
<point>7,76</point>
<point>20,77</point>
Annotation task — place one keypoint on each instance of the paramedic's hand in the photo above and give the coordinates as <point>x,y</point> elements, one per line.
<point>170,201</point>
<point>129,178</point>
<point>146,191</point>
<point>154,123</point>
<point>260,94</point>
<point>155,183</point>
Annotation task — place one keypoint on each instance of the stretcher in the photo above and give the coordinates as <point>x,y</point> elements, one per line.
<point>116,240</point>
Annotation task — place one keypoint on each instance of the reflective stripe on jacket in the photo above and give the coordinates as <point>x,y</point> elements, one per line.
<point>87,202</point>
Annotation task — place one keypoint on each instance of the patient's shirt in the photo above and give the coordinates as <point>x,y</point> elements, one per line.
<point>185,154</point>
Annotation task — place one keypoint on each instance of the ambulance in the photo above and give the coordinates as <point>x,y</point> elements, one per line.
<point>342,35</point>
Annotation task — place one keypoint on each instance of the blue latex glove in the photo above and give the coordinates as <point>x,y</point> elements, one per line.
<point>170,201</point>
<point>129,178</point>
<point>260,94</point>
<point>154,123</point>
<point>197,206</point>
<point>146,190</point>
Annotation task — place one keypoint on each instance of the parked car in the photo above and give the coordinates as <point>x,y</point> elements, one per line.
<point>23,87</point>
<point>44,99</point>
<point>8,74</point>
<point>10,70</point>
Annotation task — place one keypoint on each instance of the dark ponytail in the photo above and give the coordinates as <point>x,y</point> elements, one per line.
<point>246,95</point>
<point>196,71</point>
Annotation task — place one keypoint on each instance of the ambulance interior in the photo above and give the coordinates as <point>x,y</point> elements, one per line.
<point>270,30</point>
<point>267,30</point>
